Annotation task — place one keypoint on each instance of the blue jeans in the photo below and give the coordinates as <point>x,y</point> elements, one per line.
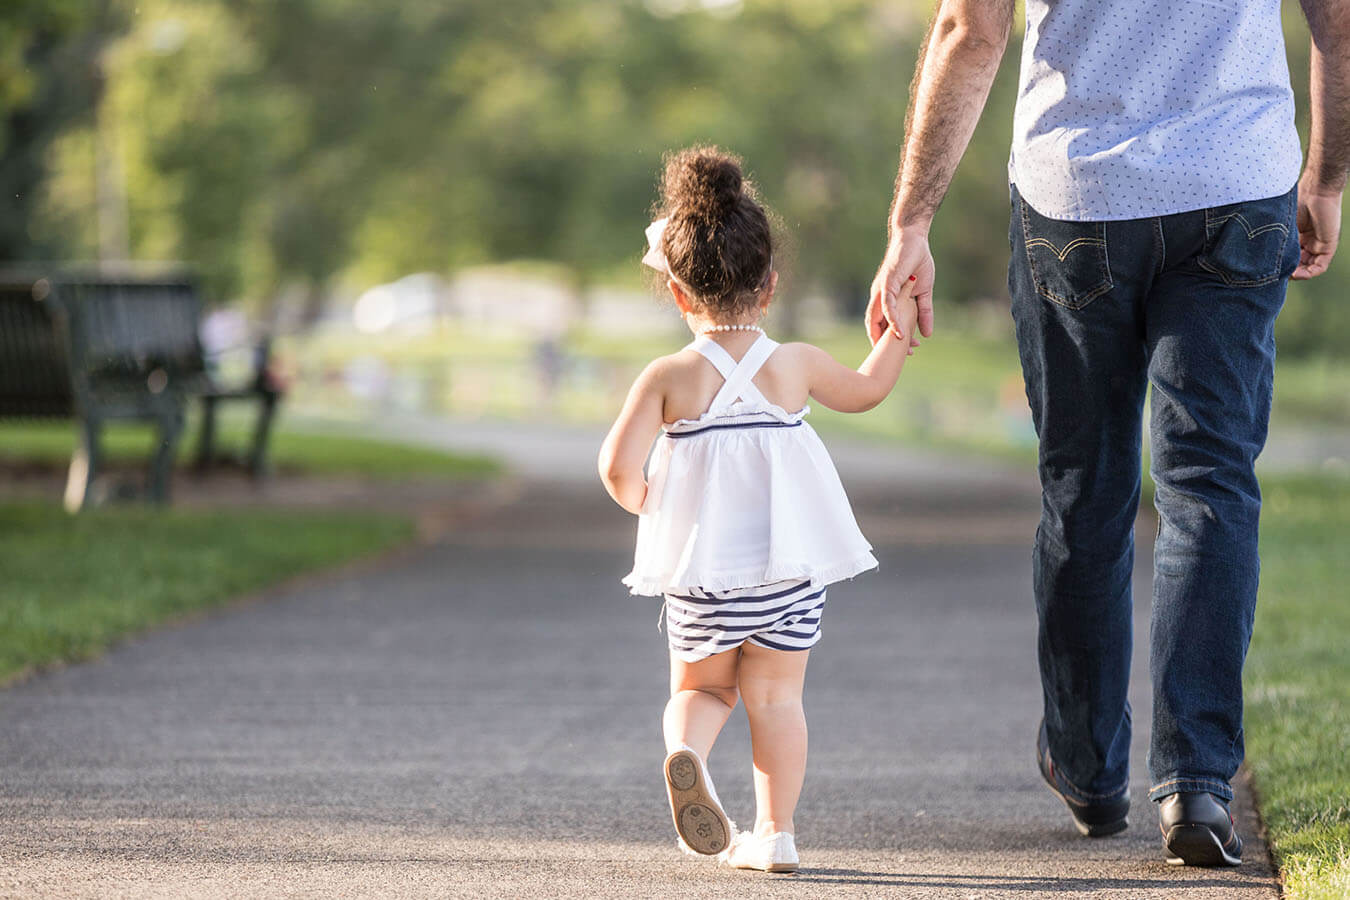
<point>1185,303</point>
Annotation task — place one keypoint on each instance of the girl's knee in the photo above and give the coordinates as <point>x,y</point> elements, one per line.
<point>765,694</point>
<point>728,695</point>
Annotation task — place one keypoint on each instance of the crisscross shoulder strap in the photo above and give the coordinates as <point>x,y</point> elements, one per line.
<point>714,353</point>
<point>738,375</point>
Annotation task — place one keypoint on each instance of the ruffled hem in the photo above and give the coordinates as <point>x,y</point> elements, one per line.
<point>654,587</point>
<point>738,410</point>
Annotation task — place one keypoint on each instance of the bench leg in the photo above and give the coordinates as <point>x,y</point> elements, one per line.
<point>257,456</point>
<point>161,462</point>
<point>206,439</point>
<point>85,463</point>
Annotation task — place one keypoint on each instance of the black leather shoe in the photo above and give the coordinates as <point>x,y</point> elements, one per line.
<point>1096,819</point>
<point>1198,830</point>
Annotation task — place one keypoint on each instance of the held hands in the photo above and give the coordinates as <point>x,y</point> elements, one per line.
<point>1319,229</point>
<point>904,319</point>
<point>907,271</point>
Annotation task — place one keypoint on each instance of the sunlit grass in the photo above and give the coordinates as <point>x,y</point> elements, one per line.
<point>50,443</point>
<point>1298,683</point>
<point>961,391</point>
<point>75,584</point>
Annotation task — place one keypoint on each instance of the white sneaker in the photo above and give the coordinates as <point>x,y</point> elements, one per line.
<point>701,823</point>
<point>771,853</point>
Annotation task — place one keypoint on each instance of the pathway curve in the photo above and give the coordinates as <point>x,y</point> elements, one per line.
<point>482,720</point>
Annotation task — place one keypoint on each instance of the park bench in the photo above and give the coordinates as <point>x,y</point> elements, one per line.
<point>96,347</point>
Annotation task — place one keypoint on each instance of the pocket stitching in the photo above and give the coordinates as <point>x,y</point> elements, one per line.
<point>1041,288</point>
<point>1233,282</point>
<point>1212,221</point>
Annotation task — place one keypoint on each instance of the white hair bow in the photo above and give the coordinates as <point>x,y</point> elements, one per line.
<point>655,256</point>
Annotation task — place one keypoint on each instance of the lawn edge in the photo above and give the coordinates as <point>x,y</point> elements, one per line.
<point>427,530</point>
<point>1252,783</point>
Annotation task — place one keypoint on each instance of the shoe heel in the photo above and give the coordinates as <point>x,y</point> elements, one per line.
<point>1196,845</point>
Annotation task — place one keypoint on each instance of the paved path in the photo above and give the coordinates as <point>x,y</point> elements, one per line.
<point>482,720</point>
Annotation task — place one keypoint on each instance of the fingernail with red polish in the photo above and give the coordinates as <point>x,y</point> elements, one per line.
<point>914,278</point>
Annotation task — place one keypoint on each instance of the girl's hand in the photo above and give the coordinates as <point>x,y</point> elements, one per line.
<point>858,390</point>
<point>904,318</point>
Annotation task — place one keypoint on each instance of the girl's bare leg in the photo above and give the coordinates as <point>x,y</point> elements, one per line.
<point>771,686</point>
<point>702,696</point>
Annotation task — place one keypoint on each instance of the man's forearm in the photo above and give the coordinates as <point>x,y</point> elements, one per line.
<point>956,68</point>
<point>1329,136</point>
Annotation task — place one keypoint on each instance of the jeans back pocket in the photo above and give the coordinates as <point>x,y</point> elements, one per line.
<point>1245,242</point>
<point>1068,260</point>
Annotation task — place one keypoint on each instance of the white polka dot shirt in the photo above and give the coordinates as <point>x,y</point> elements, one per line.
<point>1134,108</point>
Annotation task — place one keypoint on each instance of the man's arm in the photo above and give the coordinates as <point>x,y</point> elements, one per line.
<point>956,68</point>
<point>1323,182</point>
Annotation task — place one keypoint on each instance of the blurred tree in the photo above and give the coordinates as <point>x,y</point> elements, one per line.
<point>309,143</point>
<point>50,79</point>
<point>1316,316</point>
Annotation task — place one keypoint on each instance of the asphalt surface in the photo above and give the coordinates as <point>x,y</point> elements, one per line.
<point>481,719</point>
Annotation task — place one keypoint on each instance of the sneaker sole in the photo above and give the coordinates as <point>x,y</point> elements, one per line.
<point>781,868</point>
<point>699,821</point>
<point>1196,845</point>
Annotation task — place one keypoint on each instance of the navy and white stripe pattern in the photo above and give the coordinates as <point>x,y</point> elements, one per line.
<point>784,615</point>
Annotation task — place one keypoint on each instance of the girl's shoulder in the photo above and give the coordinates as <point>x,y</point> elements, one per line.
<point>799,353</point>
<point>670,369</point>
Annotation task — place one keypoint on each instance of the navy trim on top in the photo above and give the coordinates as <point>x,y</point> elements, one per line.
<point>684,434</point>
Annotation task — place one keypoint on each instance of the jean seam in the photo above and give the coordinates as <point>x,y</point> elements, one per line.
<point>1162,247</point>
<point>1080,794</point>
<point>1175,781</point>
<point>1233,282</point>
<point>1075,791</point>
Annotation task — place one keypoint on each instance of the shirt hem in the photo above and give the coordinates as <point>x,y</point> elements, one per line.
<point>656,587</point>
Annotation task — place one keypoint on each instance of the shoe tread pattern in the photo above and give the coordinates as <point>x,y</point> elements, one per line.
<point>698,820</point>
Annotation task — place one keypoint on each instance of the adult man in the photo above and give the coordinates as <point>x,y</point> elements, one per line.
<point>1154,226</point>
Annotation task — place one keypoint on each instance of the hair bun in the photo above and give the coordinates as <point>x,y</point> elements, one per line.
<point>717,242</point>
<point>703,182</point>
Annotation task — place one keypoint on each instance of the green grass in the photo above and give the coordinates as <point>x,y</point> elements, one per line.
<point>316,453</point>
<point>961,392</point>
<point>75,584</point>
<point>1312,391</point>
<point>1298,683</point>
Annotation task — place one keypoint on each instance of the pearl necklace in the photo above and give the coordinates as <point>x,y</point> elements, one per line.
<point>711,328</point>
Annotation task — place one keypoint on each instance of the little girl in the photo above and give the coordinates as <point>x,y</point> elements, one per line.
<point>743,521</point>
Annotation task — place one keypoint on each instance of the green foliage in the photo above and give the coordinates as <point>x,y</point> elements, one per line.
<point>313,142</point>
<point>75,584</point>
<point>49,80</point>
<point>1298,683</point>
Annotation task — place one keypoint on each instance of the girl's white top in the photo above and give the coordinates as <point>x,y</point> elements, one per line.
<point>744,495</point>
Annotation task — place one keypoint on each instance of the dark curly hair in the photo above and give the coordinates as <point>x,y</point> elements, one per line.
<point>718,242</point>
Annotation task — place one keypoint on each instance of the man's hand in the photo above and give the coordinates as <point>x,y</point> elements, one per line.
<point>1319,229</point>
<point>1328,157</point>
<point>907,259</point>
<point>956,68</point>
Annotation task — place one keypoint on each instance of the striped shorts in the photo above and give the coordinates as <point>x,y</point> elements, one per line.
<point>784,615</point>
